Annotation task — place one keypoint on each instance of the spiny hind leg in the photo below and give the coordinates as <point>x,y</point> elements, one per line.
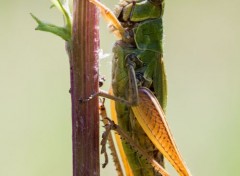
<point>112,126</point>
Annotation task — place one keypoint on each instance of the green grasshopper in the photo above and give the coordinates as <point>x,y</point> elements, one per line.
<point>139,86</point>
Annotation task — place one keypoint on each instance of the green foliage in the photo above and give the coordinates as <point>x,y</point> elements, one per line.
<point>63,32</point>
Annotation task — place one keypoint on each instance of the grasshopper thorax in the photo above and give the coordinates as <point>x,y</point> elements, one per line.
<point>141,18</point>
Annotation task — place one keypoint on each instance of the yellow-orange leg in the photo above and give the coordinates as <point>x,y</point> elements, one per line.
<point>110,17</point>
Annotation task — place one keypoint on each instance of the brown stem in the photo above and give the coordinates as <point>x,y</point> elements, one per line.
<point>83,53</point>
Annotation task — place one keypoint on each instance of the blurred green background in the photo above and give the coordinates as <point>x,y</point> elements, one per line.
<point>201,46</point>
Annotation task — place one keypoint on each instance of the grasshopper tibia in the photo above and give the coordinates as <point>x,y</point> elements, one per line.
<point>104,94</point>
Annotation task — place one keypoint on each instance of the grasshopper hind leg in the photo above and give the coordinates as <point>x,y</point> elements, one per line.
<point>110,125</point>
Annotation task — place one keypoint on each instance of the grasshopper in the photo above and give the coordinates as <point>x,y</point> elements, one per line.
<point>139,86</point>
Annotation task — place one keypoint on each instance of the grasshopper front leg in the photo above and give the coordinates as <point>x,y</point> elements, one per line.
<point>131,62</point>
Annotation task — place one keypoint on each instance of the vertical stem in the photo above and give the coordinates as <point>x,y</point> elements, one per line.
<point>83,52</point>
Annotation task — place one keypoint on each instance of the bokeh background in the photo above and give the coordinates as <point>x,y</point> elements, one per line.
<point>201,45</point>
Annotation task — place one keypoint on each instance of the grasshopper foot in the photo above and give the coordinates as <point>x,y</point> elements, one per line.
<point>82,100</point>
<point>85,100</point>
<point>105,136</point>
<point>100,84</point>
<point>108,127</point>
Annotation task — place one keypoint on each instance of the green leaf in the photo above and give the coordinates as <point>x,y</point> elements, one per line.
<point>64,9</point>
<point>62,32</point>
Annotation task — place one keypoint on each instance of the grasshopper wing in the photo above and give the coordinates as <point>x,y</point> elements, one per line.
<point>153,121</point>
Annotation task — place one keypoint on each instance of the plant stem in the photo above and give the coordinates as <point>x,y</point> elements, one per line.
<point>83,53</point>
